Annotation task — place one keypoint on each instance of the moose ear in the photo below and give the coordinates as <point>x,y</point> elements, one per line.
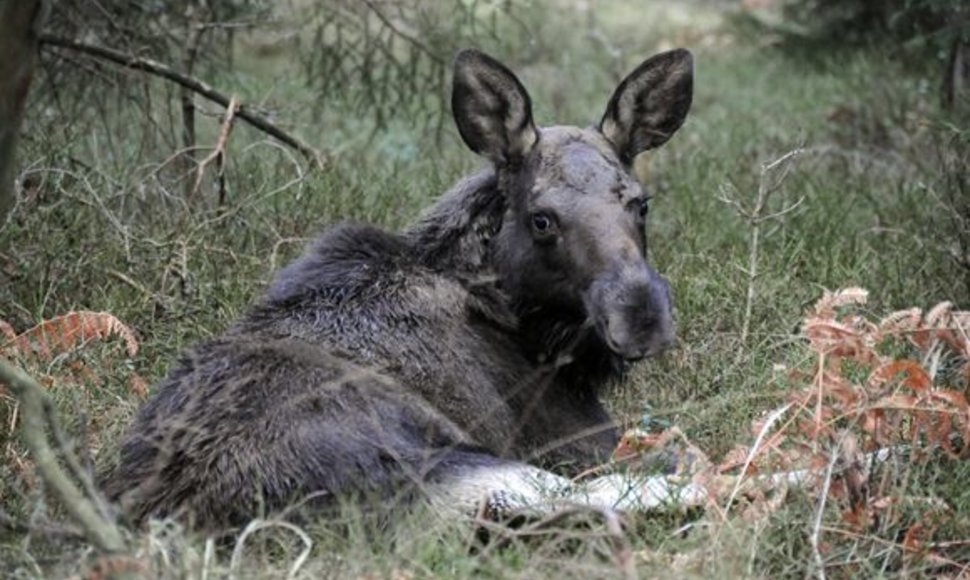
<point>492,110</point>
<point>650,104</point>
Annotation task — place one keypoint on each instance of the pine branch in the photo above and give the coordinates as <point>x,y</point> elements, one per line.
<point>191,83</point>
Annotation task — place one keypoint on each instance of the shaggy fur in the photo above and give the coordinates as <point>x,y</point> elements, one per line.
<point>436,361</point>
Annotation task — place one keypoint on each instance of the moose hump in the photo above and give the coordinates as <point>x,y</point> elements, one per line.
<point>459,361</point>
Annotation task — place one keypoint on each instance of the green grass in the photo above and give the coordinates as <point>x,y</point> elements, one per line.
<point>103,228</point>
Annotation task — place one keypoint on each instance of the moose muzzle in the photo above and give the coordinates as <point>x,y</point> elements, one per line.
<point>631,309</point>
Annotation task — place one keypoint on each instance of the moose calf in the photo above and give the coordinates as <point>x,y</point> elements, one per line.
<point>461,360</point>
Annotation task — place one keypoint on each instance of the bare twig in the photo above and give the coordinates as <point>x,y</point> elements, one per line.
<point>820,510</point>
<point>7,522</point>
<point>164,71</point>
<point>755,216</point>
<point>148,294</point>
<point>193,41</point>
<point>754,219</point>
<point>37,418</point>
<point>219,151</point>
<point>96,201</point>
<point>755,449</point>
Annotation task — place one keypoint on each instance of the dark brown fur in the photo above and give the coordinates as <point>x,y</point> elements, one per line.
<point>434,359</point>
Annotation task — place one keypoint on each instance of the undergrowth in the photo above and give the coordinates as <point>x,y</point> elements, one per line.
<point>877,197</point>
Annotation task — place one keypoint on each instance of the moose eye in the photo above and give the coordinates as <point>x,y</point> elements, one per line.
<point>643,206</point>
<point>542,223</point>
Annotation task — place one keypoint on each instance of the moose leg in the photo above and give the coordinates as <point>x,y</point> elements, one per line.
<point>468,483</point>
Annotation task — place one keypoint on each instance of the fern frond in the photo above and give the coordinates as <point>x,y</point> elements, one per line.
<point>938,316</point>
<point>66,333</point>
<point>900,321</point>
<point>830,301</point>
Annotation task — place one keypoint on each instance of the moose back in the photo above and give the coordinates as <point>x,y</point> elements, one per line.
<point>462,360</point>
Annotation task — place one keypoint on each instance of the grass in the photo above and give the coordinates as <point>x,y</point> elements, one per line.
<point>103,227</point>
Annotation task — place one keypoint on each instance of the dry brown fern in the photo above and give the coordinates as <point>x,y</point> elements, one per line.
<point>65,333</point>
<point>870,389</point>
<point>62,335</point>
<point>50,352</point>
<point>874,399</point>
<point>882,380</point>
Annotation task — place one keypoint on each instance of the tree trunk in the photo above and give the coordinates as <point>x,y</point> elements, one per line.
<point>956,77</point>
<point>19,22</point>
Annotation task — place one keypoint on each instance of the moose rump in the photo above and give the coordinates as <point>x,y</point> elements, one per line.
<point>442,360</point>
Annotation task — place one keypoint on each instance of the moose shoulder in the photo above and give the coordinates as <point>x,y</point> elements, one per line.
<point>442,360</point>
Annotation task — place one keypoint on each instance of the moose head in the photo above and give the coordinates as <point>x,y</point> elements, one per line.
<point>573,236</point>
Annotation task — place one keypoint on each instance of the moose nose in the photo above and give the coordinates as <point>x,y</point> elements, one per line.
<point>632,312</point>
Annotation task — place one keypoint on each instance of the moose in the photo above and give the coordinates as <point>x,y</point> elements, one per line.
<point>461,360</point>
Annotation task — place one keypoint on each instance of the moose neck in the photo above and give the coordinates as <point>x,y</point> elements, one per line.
<point>456,235</point>
<point>561,339</point>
